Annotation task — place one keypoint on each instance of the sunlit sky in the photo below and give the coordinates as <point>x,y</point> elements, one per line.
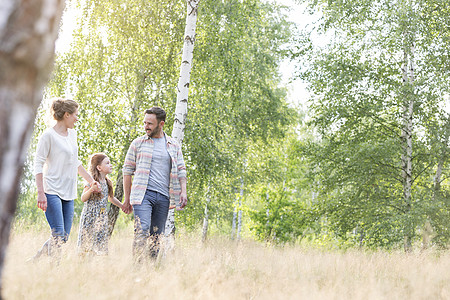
<point>297,93</point>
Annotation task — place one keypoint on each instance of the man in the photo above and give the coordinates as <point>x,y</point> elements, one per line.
<point>159,183</point>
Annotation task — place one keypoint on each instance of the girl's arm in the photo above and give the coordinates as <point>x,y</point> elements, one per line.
<point>115,201</point>
<point>87,192</point>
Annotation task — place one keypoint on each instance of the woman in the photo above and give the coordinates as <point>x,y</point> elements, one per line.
<point>56,168</point>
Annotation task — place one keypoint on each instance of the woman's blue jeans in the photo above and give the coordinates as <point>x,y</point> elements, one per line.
<point>59,216</point>
<point>150,220</point>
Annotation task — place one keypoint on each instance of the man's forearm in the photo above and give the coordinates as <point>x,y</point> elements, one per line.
<point>183,184</point>
<point>126,187</point>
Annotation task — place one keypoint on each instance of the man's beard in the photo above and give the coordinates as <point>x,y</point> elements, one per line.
<point>154,132</point>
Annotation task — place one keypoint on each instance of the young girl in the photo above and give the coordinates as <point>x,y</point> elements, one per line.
<point>93,234</point>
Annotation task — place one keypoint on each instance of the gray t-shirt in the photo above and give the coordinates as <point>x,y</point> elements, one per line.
<point>159,178</point>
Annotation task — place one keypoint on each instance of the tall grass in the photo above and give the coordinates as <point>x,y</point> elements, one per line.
<point>222,269</point>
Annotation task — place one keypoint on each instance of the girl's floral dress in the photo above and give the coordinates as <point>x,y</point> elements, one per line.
<point>93,233</point>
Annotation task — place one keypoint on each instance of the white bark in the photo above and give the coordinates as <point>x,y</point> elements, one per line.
<point>441,158</point>
<point>206,217</point>
<point>183,92</point>
<point>407,131</point>
<point>438,175</point>
<point>185,71</point>
<point>28,30</point>
<point>233,225</point>
<point>241,195</point>
<point>268,204</point>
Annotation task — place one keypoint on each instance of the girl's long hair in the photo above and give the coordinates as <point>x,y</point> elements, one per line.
<point>96,159</point>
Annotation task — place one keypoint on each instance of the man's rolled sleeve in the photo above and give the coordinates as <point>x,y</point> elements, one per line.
<point>181,166</point>
<point>129,165</point>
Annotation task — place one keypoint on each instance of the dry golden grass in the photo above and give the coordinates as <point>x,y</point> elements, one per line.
<point>222,269</point>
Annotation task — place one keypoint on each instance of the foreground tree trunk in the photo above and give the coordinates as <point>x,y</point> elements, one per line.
<point>28,30</point>
<point>183,92</point>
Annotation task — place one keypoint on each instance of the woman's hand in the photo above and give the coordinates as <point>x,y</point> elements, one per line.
<point>42,201</point>
<point>95,186</point>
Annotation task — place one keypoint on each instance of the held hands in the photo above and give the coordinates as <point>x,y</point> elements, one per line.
<point>42,201</point>
<point>126,207</point>
<point>95,187</point>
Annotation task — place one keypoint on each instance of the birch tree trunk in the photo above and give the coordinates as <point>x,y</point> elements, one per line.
<point>443,154</point>
<point>183,93</point>
<point>233,224</point>
<point>185,71</point>
<point>206,217</point>
<point>268,205</point>
<point>406,137</point>
<point>427,230</point>
<point>28,30</point>
<point>241,195</point>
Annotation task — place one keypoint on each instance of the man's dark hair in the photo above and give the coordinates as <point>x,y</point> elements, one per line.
<point>158,112</point>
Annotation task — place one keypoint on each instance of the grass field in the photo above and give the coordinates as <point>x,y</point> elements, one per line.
<point>222,269</point>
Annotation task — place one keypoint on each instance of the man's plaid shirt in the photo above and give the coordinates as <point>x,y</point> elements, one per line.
<point>138,162</point>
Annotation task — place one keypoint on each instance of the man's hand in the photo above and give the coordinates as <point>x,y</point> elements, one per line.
<point>126,207</point>
<point>183,200</point>
<point>183,195</point>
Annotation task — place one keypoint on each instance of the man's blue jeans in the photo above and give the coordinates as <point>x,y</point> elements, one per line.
<point>150,220</point>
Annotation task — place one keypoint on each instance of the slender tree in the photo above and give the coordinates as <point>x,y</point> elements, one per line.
<point>183,89</point>
<point>407,131</point>
<point>206,217</point>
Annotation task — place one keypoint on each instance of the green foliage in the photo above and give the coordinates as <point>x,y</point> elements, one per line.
<point>280,219</point>
<point>357,108</point>
<point>439,214</point>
